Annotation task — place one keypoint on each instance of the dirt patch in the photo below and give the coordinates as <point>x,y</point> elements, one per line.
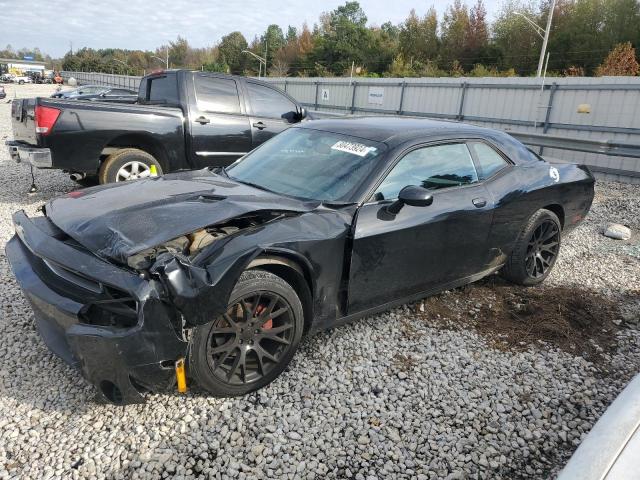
<point>404,363</point>
<point>579,321</point>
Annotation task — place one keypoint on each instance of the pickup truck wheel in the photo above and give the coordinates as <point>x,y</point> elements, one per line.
<point>249,345</point>
<point>127,164</point>
<point>536,250</point>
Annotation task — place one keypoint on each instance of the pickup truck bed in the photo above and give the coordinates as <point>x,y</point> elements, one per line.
<point>182,120</point>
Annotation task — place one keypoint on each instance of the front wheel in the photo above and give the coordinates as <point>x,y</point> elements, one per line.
<point>128,164</point>
<point>249,345</point>
<point>536,250</point>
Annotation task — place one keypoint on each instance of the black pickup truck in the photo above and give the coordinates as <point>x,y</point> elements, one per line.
<point>182,120</point>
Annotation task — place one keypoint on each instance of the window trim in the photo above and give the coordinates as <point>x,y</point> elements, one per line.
<point>368,198</point>
<point>251,110</point>
<point>217,77</point>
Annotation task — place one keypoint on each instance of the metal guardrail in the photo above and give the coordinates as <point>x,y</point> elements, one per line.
<point>605,147</point>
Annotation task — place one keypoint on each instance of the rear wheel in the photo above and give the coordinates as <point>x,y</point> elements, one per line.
<point>253,341</point>
<point>536,250</point>
<point>128,164</point>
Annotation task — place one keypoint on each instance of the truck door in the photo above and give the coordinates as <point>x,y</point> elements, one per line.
<point>271,112</point>
<point>219,126</point>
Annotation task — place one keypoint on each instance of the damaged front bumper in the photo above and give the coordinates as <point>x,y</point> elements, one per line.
<point>110,323</point>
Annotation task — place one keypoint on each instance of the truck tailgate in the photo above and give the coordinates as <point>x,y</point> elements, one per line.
<point>23,120</point>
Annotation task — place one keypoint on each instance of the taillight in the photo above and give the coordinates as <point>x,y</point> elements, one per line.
<point>45,119</point>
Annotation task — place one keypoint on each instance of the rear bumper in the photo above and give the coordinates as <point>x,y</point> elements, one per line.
<point>122,357</point>
<point>36,156</point>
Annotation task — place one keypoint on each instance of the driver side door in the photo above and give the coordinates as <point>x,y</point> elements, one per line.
<point>271,112</point>
<point>420,249</point>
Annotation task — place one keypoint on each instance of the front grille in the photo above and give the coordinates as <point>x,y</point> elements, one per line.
<point>74,278</point>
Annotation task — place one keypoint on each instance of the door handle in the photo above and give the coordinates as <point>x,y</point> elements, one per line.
<point>479,202</point>
<point>202,120</point>
<point>259,125</point>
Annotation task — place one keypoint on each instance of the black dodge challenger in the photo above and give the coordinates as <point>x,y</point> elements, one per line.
<point>221,272</point>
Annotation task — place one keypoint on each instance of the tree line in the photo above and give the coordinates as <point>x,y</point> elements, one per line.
<point>584,36</point>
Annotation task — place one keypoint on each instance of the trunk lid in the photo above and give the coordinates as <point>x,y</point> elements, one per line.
<point>118,220</point>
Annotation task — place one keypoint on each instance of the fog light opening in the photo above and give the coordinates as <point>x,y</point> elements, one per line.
<point>112,392</point>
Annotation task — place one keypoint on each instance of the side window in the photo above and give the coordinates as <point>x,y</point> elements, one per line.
<point>119,91</point>
<point>489,160</point>
<point>267,102</point>
<point>439,166</point>
<point>163,90</point>
<point>216,94</point>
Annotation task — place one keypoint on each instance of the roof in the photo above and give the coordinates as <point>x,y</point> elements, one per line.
<point>391,130</point>
<point>26,62</point>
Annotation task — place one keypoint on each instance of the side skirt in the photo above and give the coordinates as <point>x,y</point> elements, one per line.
<point>409,299</point>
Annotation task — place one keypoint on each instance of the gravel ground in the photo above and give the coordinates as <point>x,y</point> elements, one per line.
<point>391,396</point>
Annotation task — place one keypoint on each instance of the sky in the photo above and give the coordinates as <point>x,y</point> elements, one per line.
<point>136,24</point>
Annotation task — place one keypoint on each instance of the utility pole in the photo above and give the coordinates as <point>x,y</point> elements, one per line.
<point>266,55</point>
<point>546,38</point>
<point>543,33</point>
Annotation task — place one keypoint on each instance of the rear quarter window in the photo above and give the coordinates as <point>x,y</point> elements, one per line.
<point>489,160</point>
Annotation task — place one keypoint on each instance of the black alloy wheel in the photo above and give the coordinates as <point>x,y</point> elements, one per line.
<point>251,343</point>
<point>535,251</point>
<point>542,249</point>
<point>251,338</point>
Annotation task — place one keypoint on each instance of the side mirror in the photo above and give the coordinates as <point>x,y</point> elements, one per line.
<point>303,113</point>
<point>412,195</point>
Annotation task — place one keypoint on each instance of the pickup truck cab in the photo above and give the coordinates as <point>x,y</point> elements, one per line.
<point>182,120</point>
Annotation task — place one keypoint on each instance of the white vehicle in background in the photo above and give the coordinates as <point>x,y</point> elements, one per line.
<point>611,451</point>
<point>21,79</point>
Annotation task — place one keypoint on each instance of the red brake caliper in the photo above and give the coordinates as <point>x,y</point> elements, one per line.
<point>269,323</point>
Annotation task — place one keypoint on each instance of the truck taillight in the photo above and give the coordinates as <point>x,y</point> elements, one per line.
<point>45,119</point>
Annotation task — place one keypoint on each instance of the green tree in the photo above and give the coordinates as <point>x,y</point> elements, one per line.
<point>271,41</point>
<point>230,48</point>
<point>178,52</point>
<point>517,43</point>
<point>418,37</point>
<point>292,34</point>
<point>343,38</point>
<point>621,22</point>
<point>455,25</point>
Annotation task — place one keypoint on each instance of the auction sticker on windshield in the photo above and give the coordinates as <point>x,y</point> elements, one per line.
<point>354,148</point>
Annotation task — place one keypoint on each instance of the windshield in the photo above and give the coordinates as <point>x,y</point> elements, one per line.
<point>310,164</point>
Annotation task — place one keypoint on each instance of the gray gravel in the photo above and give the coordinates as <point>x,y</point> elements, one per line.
<point>363,401</point>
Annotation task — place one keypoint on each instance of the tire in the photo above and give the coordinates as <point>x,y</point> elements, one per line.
<point>534,255</point>
<point>115,164</point>
<point>21,82</point>
<point>258,288</point>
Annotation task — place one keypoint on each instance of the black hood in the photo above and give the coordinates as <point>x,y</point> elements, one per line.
<point>118,220</point>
